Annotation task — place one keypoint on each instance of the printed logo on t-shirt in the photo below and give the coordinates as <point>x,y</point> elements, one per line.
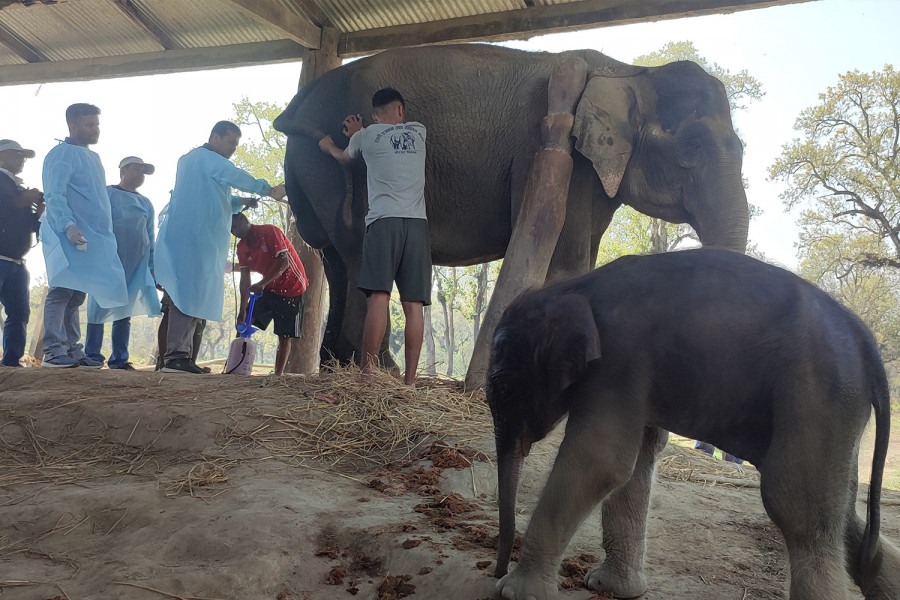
<point>403,141</point>
<point>401,137</point>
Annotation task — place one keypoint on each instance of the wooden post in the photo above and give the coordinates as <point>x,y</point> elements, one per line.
<point>304,356</point>
<point>543,211</point>
<point>37,332</point>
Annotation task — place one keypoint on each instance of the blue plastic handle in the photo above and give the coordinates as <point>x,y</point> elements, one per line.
<point>245,330</point>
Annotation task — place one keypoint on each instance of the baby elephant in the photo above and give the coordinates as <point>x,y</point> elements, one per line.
<point>712,345</point>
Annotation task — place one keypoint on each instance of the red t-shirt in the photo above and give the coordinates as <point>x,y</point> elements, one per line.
<point>264,256</point>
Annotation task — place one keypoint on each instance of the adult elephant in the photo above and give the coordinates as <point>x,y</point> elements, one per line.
<point>659,139</point>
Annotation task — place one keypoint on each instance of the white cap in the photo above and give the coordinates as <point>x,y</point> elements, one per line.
<point>11,145</point>
<point>134,160</point>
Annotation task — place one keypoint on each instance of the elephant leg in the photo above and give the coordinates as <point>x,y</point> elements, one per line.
<point>625,526</point>
<point>886,583</point>
<point>597,455</point>
<point>809,505</point>
<point>336,274</point>
<point>572,254</point>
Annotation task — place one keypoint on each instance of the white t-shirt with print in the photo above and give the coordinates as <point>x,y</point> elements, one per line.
<point>395,161</point>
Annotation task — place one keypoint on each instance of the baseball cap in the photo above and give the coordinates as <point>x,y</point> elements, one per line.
<point>134,160</point>
<point>11,145</point>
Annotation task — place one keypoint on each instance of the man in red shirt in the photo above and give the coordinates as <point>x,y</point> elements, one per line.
<point>264,249</point>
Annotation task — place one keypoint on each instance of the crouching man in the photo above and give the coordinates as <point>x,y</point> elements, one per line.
<point>264,249</point>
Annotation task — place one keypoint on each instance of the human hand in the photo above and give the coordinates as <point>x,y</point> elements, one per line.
<point>352,124</point>
<point>242,317</point>
<point>256,288</point>
<point>75,236</point>
<point>326,144</point>
<point>277,192</point>
<point>30,198</point>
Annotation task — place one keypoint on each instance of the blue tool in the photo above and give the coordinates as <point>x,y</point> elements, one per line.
<point>245,329</point>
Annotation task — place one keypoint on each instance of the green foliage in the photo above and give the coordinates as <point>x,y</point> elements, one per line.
<point>261,154</point>
<point>830,261</point>
<point>844,168</point>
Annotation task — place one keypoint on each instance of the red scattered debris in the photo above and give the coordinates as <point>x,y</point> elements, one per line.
<point>445,456</point>
<point>407,528</point>
<point>448,506</point>
<point>363,499</point>
<point>336,576</point>
<point>395,586</point>
<point>327,398</point>
<point>425,570</point>
<point>282,596</point>
<point>481,565</point>
<point>410,543</point>
<point>573,571</point>
<point>353,590</point>
<point>328,552</point>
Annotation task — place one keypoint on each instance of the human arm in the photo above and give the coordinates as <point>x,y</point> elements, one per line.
<point>244,288</point>
<point>352,124</point>
<point>284,261</point>
<point>150,234</point>
<point>56,177</point>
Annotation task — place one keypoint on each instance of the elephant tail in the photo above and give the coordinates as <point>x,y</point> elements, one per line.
<point>870,554</point>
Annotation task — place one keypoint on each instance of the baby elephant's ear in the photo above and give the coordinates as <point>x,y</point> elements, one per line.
<point>571,341</point>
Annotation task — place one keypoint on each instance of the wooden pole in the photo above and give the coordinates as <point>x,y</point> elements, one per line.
<point>543,212</point>
<point>304,356</point>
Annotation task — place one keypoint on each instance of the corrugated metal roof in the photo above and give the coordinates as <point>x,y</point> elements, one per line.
<point>85,39</point>
<point>361,15</point>
<point>73,30</point>
<point>206,23</point>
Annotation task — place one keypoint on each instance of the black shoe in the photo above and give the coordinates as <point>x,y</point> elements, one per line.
<point>181,365</point>
<point>125,367</point>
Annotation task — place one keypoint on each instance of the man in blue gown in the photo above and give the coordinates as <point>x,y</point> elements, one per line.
<point>78,242</point>
<point>133,226</point>
<point>193,244</point>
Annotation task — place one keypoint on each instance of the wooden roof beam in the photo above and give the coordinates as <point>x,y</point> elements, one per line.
<point>312,12</point>
<point>301,30</point>
<point>152,63</point>
<point>537,20</point>
<point>17,45</point>
<point>150,28</point>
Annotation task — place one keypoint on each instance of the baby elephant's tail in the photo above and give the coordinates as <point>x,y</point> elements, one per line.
<point>870,552</point>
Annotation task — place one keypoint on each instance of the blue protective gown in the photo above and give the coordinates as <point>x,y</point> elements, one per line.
<point>75,192</point>
<point>133,226</point>
<point>193,243</point>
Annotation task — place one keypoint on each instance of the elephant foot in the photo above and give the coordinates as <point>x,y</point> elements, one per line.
<point>607,580</point>
<point>519,585</point>
<point>886,584</point>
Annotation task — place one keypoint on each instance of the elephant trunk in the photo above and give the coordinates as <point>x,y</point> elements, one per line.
<point>724,221</point>
<point>509,467</point>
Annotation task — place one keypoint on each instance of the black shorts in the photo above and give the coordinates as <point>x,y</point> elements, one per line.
<point>397,249</point>
<point>286,312</point>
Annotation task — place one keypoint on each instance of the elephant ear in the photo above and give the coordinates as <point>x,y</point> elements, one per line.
<point>603,132</point>
<point>570,342</point>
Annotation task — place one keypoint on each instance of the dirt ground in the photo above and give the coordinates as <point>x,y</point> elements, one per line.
<point>121,485</point>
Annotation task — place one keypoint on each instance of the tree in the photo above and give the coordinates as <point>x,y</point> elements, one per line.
<point>263,157</point>
<point>635,233</point>
<point>830,261</point>
<point>844,168</point>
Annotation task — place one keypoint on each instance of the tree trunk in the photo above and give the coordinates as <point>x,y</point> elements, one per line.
<point>304,356</point>
<point>480,294</point>
<point>430,367</point>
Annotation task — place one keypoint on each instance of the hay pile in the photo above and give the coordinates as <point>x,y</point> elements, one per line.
<point>686,464</point>
<point>350,424</point>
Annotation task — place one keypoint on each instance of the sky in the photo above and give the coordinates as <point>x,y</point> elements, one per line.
<point>795,51</point>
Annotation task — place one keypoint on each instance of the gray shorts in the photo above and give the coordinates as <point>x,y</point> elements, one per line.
<point>397,249</point>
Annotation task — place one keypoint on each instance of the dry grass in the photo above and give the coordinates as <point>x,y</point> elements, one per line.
<point>350,423</point>
<point>685,464</point>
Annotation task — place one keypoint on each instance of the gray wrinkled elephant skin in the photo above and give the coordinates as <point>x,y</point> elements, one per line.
<point>712,345</point>
<point>659,139</point>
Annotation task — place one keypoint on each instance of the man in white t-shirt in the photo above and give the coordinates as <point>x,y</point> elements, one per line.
<point>396,245</point>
